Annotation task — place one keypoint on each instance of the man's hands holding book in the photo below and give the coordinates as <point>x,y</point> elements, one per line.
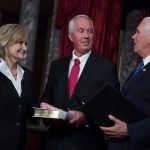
<point>72,118</point>
<point>78,120</point>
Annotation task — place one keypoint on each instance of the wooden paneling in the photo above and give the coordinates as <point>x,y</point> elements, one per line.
<point>35,137</point>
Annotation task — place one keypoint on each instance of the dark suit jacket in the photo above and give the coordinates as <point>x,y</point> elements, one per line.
<point>96,72</point>
<point>137,90</point>
<point>13,111</point>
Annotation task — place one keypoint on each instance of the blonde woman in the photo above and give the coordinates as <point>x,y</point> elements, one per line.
<point>16,88</point>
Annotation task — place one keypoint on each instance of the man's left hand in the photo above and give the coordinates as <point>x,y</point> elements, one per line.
<point>119,130</point>
<point>78,120</point>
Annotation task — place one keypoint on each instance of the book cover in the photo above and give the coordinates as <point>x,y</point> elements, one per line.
<point>109,100</point>
<point>52,114</point>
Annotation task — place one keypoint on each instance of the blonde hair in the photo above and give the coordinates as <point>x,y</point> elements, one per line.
<point>11,34</point>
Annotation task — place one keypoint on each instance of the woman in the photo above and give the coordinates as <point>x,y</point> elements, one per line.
<point>16,88</point>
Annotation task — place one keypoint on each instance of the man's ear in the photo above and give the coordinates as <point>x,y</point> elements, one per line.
<point>70,37</point>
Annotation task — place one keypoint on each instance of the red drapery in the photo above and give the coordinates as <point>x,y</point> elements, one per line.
<point>144,13</point>
<point>106,16</point>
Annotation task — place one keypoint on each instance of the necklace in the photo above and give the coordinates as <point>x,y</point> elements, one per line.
<point>14,74</point>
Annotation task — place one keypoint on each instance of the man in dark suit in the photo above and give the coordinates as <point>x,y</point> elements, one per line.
<point>79,133</point>
<point>136,135</point>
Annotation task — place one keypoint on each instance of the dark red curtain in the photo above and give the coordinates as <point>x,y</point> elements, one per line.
<point>144,13</point>
<point>106,16</point>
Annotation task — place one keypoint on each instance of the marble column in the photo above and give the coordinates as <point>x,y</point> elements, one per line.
<point>128,59</point>
<point>29,19</point>
<point>53,46</point>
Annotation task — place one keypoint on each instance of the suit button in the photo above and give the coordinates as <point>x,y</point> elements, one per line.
<point>17,124</point>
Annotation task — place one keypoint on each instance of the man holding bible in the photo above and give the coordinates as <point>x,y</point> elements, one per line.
<point>71,79</point>
<point>135,135</point>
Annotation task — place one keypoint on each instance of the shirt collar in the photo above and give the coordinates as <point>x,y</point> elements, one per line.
<point>6,71</point>
<point>82,58</point>
<point>146,60</point>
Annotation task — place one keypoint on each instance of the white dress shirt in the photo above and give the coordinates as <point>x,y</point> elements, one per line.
<point>6,71</point>
<point>83,60</point>
<point>146,60</point>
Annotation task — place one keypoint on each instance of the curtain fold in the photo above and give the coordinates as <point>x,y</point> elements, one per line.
<point>144,13</point>
<point>106,16</point>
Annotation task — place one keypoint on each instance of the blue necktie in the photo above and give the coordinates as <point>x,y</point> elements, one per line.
<point>138,68</point>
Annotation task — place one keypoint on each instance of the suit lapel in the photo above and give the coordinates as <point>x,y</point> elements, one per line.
<point>9,85</point>
<point>130,81</point>
<point>23,86</point>
<point>89,66</point>
<point>65,75</point>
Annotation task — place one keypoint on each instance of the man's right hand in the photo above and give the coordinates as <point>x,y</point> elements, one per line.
<point>48,106</point>
<point>49,121</point>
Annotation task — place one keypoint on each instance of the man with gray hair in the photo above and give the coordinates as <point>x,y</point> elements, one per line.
<point>75,77</point>
<point>136,135</point>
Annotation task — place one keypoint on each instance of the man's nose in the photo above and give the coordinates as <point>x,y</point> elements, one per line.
<point>133,36</point>
<point>86,34</point>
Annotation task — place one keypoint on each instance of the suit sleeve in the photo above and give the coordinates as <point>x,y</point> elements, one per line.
<point>140,133</point>
<point>31,94</point>
<point>112,77</point>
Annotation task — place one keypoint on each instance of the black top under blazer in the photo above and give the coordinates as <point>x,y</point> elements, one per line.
<point>14,111</point>
<point>96,73</point>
